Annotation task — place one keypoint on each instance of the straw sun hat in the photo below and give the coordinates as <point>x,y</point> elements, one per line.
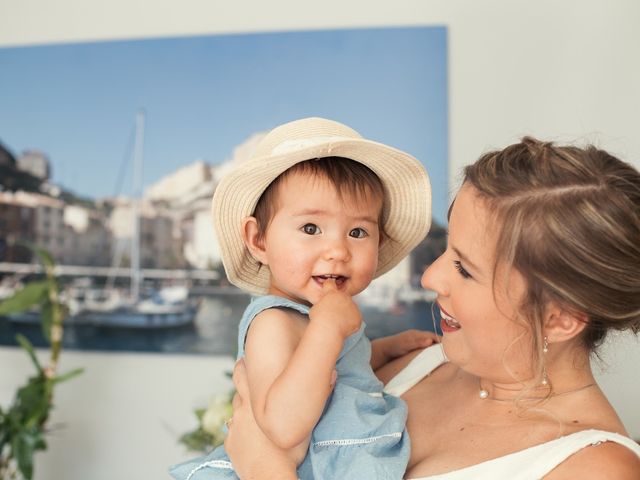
<point>406,184</point>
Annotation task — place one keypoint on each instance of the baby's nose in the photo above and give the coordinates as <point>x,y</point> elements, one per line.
<point>337,250</point>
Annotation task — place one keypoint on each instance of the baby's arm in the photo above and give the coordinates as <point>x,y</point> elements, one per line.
<point>290,366</point>
<point>253,455</point>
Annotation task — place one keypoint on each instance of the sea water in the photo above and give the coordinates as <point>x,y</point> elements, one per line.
<point>214,330</point>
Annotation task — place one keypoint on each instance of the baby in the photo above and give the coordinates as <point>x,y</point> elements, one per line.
<point>307,223</point>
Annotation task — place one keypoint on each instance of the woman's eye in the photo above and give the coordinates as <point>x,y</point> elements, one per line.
<point>461,269</point>
<point>311,229</point>
<point>358,233</point>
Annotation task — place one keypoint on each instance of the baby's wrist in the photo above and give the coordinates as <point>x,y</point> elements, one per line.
<point>327,329</point>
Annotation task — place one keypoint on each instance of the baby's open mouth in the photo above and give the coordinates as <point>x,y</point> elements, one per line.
<point>339,279</point>
<point>449,320</point>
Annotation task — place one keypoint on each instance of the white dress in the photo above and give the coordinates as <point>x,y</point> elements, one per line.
<point>529,464</point>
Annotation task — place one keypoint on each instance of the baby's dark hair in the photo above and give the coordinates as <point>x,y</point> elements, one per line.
<point>347,176</point>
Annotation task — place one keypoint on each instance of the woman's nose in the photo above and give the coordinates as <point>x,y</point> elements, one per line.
<point>434,277</point>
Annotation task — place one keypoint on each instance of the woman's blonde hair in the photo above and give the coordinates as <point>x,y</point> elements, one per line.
<point>568,220</point>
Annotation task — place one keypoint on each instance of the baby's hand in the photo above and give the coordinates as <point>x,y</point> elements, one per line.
<point>386,349</point>
<point>400,344</point>
<point>336,310</point>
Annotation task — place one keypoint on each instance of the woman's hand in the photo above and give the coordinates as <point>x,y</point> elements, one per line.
<point>386,349</point>
<point>253,455</point>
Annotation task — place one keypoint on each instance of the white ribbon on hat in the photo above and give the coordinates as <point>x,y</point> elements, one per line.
<point>289,146</point>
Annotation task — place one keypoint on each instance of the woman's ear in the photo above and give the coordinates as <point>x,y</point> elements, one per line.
<point>562,325</point>
<point>252,240</point>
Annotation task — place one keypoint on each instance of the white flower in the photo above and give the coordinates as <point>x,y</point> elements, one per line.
<point>218,411</point>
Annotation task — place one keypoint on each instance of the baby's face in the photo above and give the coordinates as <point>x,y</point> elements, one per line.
<point>316,234</point>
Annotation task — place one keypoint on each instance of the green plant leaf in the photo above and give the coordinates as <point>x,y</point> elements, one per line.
<point>46,319</point>
<point>66,376</point>
<point>33,402</point>
<point>23,447</point>
<point>32,294</point>
<point>199,413</point>
<point>4,432</point>
<point>23,424</point>
<point>199,440</point>
<point>45,256</point>
<point>26,344</point>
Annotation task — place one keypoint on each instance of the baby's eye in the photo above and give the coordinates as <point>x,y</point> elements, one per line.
<point>311,229</point>
<point>358,233</point>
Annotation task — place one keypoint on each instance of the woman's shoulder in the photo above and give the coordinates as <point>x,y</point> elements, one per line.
<point>611,456</point>
<point>586,454</point>
<point>595,443</point>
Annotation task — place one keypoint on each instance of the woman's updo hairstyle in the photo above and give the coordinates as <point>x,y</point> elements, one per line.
<point>568,220</point>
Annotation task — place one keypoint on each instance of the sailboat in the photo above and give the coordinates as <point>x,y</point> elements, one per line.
<point>166,307</point>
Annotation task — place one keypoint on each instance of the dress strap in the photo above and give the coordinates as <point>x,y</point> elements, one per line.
<point>258,305</point>
<point>419,367</point>
<point>535,462</point>
<point>547,456</point>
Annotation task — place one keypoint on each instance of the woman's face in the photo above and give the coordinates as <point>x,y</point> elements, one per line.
<point>481,334</point>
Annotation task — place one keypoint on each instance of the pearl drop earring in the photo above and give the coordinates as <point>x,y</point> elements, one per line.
<point>545,349</point>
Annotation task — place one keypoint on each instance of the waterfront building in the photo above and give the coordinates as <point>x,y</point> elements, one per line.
<point>185,197</point>
<point>36,163</point>
<point>73,235</point>
<point>157,243</point>
<point>49,221</point>
<point>17,223</point>
<point>88,239</point>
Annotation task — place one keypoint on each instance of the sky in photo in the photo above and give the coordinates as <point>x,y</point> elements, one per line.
<point>203,96</point>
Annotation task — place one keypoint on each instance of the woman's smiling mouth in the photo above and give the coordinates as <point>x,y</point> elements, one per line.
<point>448,323</point>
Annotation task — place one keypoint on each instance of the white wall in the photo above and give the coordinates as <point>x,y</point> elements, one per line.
<point>560,70</point>
<point>122,417</point>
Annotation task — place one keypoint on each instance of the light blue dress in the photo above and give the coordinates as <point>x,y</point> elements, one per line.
<point>361,433</point>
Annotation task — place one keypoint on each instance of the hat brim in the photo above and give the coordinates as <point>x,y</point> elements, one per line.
<point>407,192</point>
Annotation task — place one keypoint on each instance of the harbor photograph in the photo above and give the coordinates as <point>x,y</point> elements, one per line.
<point>110,166</point>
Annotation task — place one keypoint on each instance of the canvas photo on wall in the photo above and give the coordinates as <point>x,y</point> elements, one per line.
<point>110,153</point>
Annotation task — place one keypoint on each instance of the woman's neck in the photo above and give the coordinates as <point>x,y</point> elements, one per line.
<point>566,373</point>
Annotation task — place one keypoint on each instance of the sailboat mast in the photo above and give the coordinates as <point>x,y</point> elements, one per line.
<point>136,277</point>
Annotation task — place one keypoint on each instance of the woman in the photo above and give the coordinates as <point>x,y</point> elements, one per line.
<point>543,259</point>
